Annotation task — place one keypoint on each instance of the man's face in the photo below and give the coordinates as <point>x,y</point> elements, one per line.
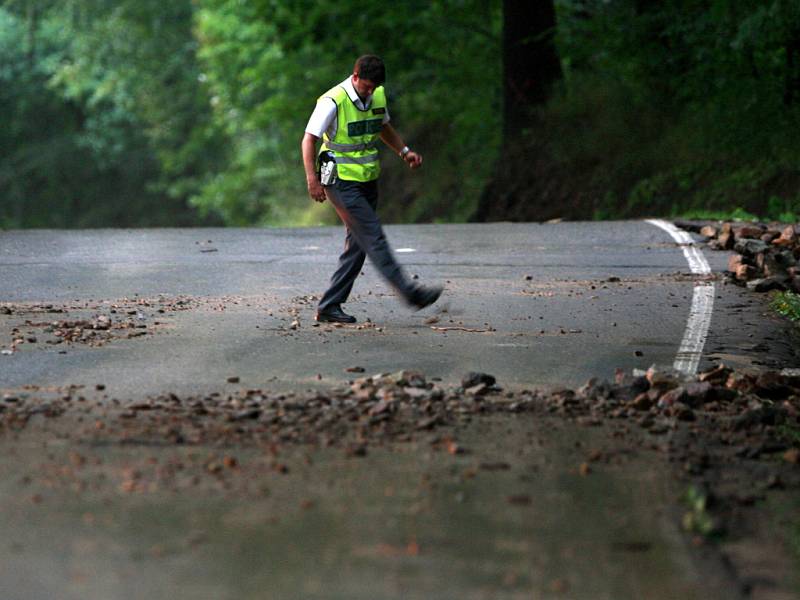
<point>363,87</point>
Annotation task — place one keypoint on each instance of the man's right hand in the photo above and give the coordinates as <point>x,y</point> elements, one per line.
<point>315,189</point>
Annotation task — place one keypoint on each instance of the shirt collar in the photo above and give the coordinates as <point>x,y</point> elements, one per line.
<point>347,84</point>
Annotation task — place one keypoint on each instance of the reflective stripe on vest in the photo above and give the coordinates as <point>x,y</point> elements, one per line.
<point>357,133</point>
<point>351,147</point>
<point>356,160</point>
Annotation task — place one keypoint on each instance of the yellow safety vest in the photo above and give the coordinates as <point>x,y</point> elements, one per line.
<point>355,144</point>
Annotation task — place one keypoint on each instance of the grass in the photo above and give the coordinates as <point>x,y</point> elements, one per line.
<point>789,433</point>
<point>794,541</point>
<point>697,519</point>
<point>784,512</point>
<point>787,304</point>
<point>737,214</point>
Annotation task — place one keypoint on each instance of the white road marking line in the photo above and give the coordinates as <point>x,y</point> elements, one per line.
<point>694,338</point>
<point>405,250</point>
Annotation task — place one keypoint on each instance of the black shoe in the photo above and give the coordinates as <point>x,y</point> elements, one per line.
<point>334,315</point>
<point>425,296</point>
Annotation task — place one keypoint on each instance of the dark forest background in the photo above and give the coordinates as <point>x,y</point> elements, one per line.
<point>190,112</point>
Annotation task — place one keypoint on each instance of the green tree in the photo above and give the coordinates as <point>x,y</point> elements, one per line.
<point>267,61</point>
<point>106,124</point>
<point>665,106</point>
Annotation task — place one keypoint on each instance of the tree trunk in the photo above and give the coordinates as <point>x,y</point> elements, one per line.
<point>791,89</point>
<point>530,68</point>
<point>530,62</point>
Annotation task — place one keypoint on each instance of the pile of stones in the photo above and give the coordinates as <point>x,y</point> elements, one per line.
<point>735,400</point>
<point>766,255</point>
<point>746,408</point>
<point>385,407</point>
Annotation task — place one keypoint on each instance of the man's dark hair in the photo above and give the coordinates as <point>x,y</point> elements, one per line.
<point>370,67</point>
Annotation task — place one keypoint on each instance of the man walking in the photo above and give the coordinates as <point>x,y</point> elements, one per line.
<point>350,118</point>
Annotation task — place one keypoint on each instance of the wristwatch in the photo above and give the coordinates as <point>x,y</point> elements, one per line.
<point>404,151</point>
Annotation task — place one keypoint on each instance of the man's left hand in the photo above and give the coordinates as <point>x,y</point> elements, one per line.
<point>413,159</point>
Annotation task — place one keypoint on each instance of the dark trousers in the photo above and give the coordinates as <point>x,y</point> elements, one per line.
<point>355,203</point>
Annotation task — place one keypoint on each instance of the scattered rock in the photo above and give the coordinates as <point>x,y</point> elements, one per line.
<point>356,450</point>
<point>792,456</point>
<point>472,379</point>
<point>709,231</point>
<point>494,466</point>
<point>645,400</point>
<point>519,500</point>
<point>747,232</point>
<point>765,258</point>
<point>477,390</point>
<point>767,284</point>
<point>674,396</point>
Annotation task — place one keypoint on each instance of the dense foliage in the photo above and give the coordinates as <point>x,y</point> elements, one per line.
<point>128,111</point>
<point>681,105</point>
<point>144,112</point>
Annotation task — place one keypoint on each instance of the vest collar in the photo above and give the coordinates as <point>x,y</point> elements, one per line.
<point>347,84</point>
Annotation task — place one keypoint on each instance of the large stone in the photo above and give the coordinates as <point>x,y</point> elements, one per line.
<point>709,231</point>
<point>715,375</point>
<point>772,385</point>
<point>408,378</point>
<point>640,384</point>
<point>659,380</point>
<point>768,264</point>
<point>697,393</point>
<point>787,237</point>
<point>749,247</point>
<point>734,262</point>
<point>692,226</point>
<point>596,389</point>
<point>741,382</point>
<point>785,258</point>
<point>645,400</point>
<point>745,272</point>
<point>725,240</point>
<point>768,236</point>
<point>748,231</point>
<point>766,284</point>
<point>672,397</point>
<point>473,378</point>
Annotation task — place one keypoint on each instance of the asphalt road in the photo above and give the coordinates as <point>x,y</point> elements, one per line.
<point>535,305</point>
<point>518,515</point>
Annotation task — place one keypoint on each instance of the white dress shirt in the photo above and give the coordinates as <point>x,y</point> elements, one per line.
<point>323,119</point>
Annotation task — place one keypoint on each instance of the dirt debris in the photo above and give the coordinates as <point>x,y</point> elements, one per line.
<point>91,323</point>
<point>741,442</point>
